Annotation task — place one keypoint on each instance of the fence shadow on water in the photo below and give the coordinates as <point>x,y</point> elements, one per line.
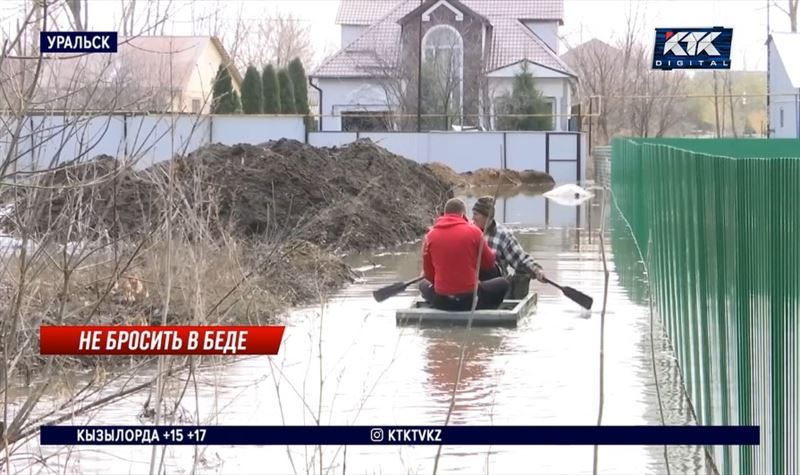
<point>716,223</point>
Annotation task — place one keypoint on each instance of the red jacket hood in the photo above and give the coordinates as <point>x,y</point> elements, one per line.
<point>450,220</point>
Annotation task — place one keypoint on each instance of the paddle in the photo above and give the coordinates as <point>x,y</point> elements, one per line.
<point>391,290</point>
<point>575,295</point>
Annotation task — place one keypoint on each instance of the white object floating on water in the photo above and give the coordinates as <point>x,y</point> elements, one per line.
<point>384,254</point>
<point>568,195</point>
<point>367,268</point>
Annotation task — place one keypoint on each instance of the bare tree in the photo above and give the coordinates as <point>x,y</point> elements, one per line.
<point>80,13</point>
<point>274,40</point>
<point>728,88</point>
<point>635,98</point>
<point>791,12</point>
<point>61,210</point>
<point>128,16</point>
<point>596,64</point>
<point>288,39</point>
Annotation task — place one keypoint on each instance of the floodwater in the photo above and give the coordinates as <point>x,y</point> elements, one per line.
<point>370,371</point>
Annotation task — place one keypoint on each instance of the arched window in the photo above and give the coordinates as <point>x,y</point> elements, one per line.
<point>443,42</point>
<point>443,73</point>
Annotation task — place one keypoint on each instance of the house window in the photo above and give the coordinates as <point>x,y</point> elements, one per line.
<point>551,109</point>
<point>442,77</point>
<point>195,106</point>
<point>365,121</point>
<point>781,114</point>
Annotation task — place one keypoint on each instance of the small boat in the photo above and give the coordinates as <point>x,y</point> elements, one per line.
<point>508,314</point>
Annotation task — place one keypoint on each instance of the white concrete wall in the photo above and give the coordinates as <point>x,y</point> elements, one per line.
<point>350,33</point>
<point>341,95</point>
<point>333,139</point>
<point>233,129</point>
<point>411,145</point>
<point>525,151</point>
<point>141,140</point>
<point>546,30</point>
<point>466,151</point>
<point>784,96</point>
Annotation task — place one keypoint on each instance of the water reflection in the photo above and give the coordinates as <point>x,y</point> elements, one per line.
<point>527,206</point>
<point>442,355</point>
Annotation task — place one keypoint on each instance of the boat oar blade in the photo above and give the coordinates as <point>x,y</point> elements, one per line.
<point>391,290</point>
<point>578,297</point>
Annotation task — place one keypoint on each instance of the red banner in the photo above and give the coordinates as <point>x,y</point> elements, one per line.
<point>158,340</point>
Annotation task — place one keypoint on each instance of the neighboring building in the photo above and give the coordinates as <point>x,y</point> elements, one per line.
<point>784,85</point>
<point>471,50</point>
<point>158,74</point>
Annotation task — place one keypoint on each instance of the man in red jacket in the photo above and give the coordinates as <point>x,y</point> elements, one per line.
<point>449,258</point>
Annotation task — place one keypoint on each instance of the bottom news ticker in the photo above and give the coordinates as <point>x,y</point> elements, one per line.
<point>399,435</point>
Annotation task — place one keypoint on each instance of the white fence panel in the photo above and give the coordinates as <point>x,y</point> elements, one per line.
<point>331,139</point>
<point>526,151</point>
<point>465,151</point>
<point>61,139</point>
<point>233,129</point>
<point>411,145</point>
<point>153,139</point>
<point>563,172</point>
<point>22,150</point>
<point>563,147</point>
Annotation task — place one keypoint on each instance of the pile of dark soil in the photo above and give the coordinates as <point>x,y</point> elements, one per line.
<point>351,198</point>
<point>447,175</point>
<point>491,176</point>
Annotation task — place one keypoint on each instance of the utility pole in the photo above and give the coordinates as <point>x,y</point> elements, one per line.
<point>769,44</point>
<point>419,72</point>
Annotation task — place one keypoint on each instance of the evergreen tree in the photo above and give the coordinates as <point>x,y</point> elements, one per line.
<point>300,84</point>
<point>271,91</point>
<point>252,96</point>
<point>524,99</point>
<point>287,92</point>
<point>224,99</point>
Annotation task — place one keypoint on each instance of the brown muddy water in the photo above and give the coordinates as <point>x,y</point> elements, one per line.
<point>370,371</point>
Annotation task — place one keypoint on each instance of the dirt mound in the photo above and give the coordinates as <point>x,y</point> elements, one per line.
<point>491,177</point>
<point>485,177</point>
<point>355,197</point>
<point>447,174</point>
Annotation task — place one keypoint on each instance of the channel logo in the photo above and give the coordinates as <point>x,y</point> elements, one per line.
<point>693,48</point>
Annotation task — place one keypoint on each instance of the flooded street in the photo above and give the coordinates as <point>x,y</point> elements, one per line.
<point>369,371</point>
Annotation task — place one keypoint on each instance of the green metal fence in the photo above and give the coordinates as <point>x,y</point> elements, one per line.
<point>718,224</point>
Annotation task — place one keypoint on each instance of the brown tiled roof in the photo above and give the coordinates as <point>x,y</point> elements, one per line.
<point>363,12</point>
<point>513,42</point>
<point>378,47</point>
<point>519,9</point>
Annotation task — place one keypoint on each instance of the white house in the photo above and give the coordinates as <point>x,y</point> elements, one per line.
<point>483,44</point>
<point>784,85</point>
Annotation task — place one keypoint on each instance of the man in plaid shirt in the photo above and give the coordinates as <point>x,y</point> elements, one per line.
<point>508,251</point>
